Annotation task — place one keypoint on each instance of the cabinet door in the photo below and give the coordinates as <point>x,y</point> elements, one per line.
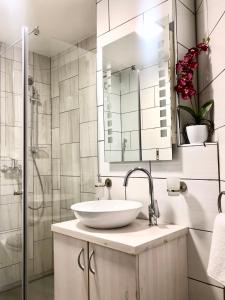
<point>112,274</point>
<point>71,282</point>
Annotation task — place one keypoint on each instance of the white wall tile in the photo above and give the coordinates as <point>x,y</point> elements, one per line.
<point>68,94</point>
<point>88,138</point>
<point>44,133</point>
<point>207,16</point>
<point>69,127</point>
<point>124,10</point>
<point>199,291</point>
<point>203,159</point>
<point>87,103</point>
<point>195,208</point>
<point>138,189</point>
<point>215,91</point>
<point>88,197</point>
<point>102,17</point>
<point>185,26</point>
<point>116,34</point>
<point>190,4</point>
<point>88,174</point>
<point>199,243</point>
<point>116,192</point>
<point>213,62</point>
<point>87,69</point>
<point>70,191</point>
<point>70,159</point>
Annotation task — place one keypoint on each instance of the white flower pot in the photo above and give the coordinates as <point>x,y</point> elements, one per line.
<point>197,134</point>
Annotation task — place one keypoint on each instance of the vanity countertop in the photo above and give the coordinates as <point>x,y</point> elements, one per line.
<point>132,239</point>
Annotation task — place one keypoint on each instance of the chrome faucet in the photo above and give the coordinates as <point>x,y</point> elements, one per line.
<point>153,208</point>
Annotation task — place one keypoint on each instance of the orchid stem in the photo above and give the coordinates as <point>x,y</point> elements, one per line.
<point>192,105</point>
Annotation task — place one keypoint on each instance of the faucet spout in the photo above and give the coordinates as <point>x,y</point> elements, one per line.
<point>153,206</point>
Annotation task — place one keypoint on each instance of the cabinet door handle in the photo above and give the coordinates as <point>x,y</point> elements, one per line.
<point>89,263</point>
<point>78,259</point>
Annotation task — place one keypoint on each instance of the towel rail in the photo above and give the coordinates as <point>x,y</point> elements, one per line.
<point>219,201</point>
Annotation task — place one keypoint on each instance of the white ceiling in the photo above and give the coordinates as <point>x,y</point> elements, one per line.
<point>68,21</point>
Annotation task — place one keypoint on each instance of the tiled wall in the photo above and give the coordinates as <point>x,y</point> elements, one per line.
<point>40,240</point>
<point>10,124</point>
<point>211,22</point>
<point>67,160</point>
<point>196,165</point>
<point>74,127</point>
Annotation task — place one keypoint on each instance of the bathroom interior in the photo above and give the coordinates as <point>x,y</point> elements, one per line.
<point>112,150</point>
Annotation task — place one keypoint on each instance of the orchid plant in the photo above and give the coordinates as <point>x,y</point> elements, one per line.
<point>185,88</point>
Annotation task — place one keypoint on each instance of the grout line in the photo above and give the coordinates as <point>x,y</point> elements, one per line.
<point>219,127</point>
<point>86,122</point>
<point>216,23</point>
<point>211,82</point>
<point>216,286</point>
<point>198,229</point>
<point>193,179</point>
<point>139,15</point>
<point>188,8</point>
<point>162,178</point>
<point>197,8</point>
<point>182,45</point>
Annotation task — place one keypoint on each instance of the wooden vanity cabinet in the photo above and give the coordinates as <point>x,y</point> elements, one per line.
<point>157,273</point>
<point>70,281</point>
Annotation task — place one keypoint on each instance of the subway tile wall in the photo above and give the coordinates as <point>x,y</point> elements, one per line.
<point>74,127</point>
<point>210,23</point>
<point>67,160</point>
<point>196,165</point>
<point>40,239</point>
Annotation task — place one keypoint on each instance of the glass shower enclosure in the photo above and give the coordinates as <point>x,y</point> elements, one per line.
<point>39,137</point>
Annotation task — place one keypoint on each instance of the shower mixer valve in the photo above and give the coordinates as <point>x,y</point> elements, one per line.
<point>13,169</point>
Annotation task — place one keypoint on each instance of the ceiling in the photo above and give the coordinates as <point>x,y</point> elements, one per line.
<point>68,21</point>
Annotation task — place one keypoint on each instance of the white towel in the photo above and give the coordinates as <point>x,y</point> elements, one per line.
<point>216,266</point>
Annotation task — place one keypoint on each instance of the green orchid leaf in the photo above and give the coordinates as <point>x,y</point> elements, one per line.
<point>205,109</point>
<point>188,110</point>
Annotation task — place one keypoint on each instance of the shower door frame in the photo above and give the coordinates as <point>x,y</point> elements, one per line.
<point>25,34</point>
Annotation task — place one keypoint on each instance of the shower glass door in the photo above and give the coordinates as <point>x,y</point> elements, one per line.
<point>46,86</point>
<point>53,150</point>
<point>11,156</point>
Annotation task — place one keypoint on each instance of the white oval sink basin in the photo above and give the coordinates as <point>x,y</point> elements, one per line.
<point>107,214</point>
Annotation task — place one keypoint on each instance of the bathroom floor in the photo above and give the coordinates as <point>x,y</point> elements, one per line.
<point>38,289</point>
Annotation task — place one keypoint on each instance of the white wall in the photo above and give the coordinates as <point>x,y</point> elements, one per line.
<point>196,165</point>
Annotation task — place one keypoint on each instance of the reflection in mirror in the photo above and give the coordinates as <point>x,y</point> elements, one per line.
<point>137,96</point>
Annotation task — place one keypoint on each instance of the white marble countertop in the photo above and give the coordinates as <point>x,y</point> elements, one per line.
<point>132,239</point>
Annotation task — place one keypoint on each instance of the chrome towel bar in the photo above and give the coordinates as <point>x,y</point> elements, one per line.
<point>219,201</point>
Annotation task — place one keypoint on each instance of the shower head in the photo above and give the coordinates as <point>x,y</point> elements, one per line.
<point>30,80</point>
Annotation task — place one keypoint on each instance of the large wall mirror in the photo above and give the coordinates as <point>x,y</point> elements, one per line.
<point>137,94</point>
